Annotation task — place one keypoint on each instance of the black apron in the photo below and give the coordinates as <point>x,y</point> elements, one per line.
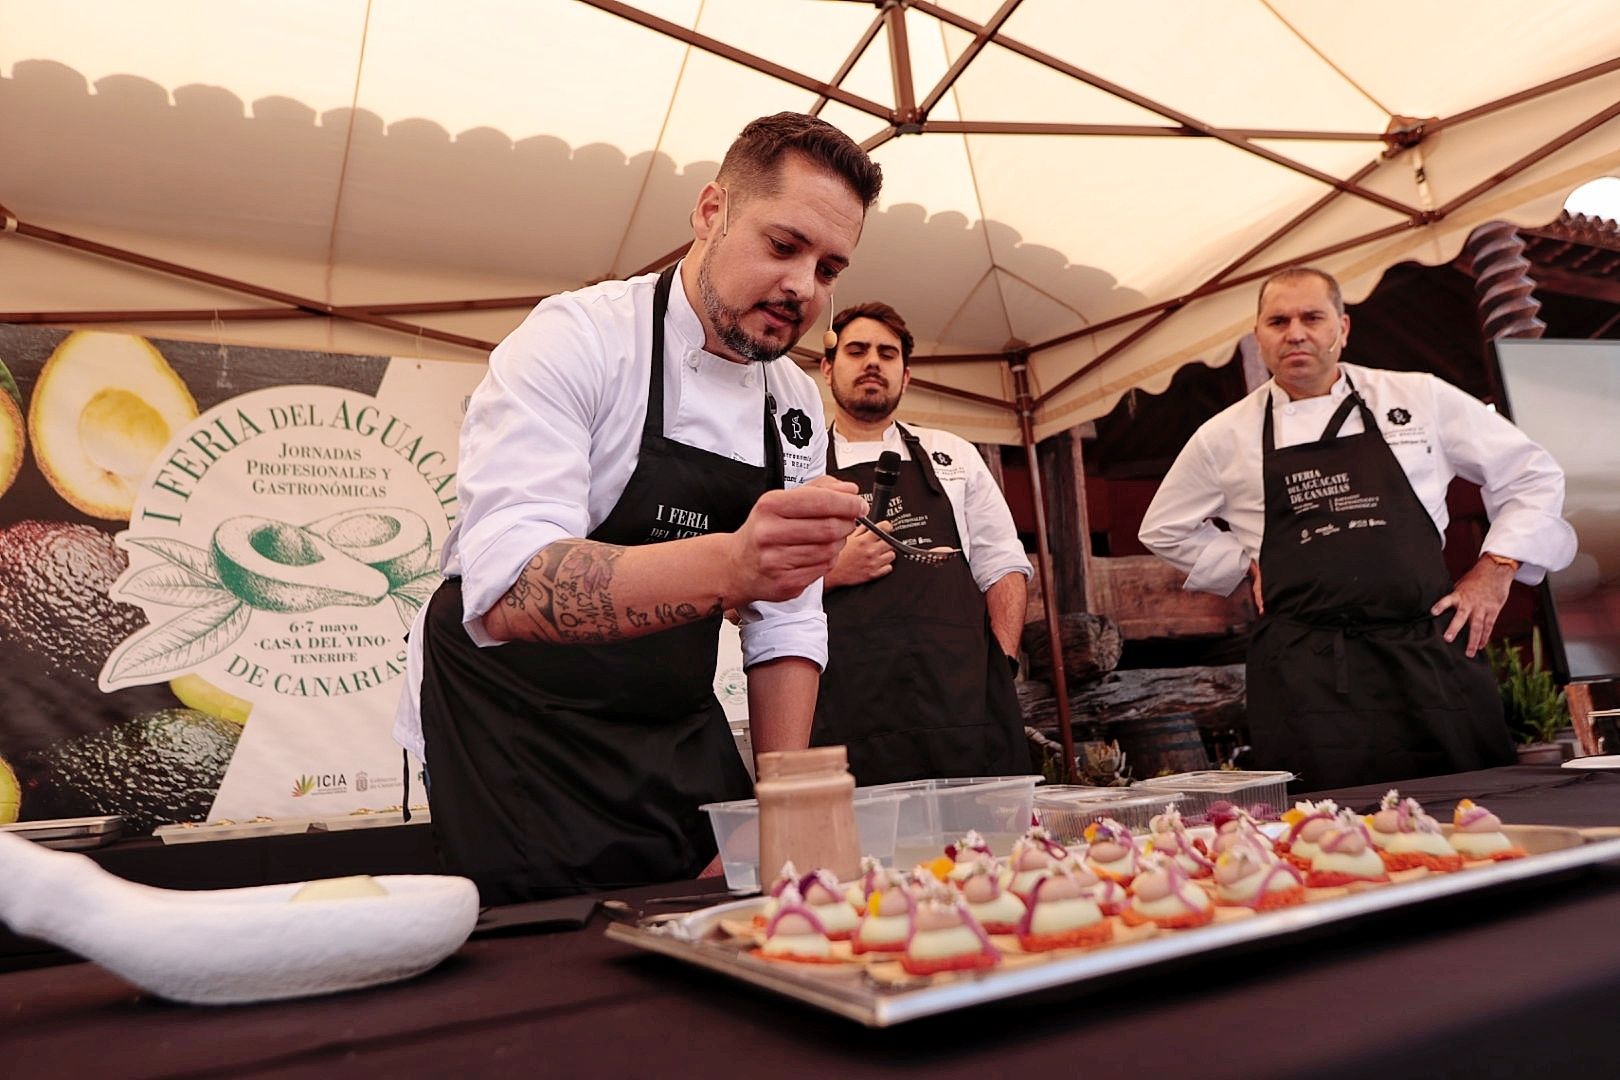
<point>561,769</point>
<point>916,686</point>
<point>1349,679</point>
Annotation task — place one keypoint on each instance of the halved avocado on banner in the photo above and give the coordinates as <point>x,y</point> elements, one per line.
<point>13,437</point>
<point>274,566</point>
<point>10,794</point>
<point>9,385</point>
<point>196,692</point>
<point>103,409</point>
<point>393,540</point>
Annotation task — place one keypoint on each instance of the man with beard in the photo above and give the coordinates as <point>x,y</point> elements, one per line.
<point>1332,478</point>
<point>919,679</point>
<point>636,462</point>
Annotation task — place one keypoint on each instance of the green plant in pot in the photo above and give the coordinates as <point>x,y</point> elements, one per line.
<point>1532,703</point>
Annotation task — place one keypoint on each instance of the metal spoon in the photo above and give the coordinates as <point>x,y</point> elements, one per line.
<point>936,557</point>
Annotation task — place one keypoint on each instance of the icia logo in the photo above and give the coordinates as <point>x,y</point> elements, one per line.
<point>323,784</point>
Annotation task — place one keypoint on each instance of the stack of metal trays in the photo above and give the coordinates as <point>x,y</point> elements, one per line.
<point>70,834</point>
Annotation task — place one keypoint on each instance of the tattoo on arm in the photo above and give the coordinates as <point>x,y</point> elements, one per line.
<point>564,595</point>
<point>672,614</point>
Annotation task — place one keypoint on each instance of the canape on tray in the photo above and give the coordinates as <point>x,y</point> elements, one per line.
<point>1167,835</point>
<point>1307,823</point>
<point>1112,854</point>
<point>1407,838</point>
<point>1477,834</point>
<point>1062,914</point>
<point>998,909</point>
<point>946,937</point>
<point>1345,855</point>
<point>1163,894</point>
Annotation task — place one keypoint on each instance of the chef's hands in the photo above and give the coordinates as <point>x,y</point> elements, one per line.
<point>863,559</point>
<point>791,538</point>
<point>1254,585</point>
<point>1477,597</point>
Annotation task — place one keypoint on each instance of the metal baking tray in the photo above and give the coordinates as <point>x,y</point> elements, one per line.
<point>847,991</point>
<point>198,832</point>
<point>70,834</point>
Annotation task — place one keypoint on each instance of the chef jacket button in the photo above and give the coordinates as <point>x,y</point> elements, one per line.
<point>1289,409</point>
<point>693,360</point>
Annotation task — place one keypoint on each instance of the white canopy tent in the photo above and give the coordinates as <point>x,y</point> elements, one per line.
<point>1094,187</point>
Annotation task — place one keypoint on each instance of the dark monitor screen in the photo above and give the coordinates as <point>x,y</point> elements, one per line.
<point>1566,396</point>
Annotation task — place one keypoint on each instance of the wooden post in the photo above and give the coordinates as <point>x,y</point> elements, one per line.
<point>991,453</point>
<point>1018,365</point>
<point>1063,473</point>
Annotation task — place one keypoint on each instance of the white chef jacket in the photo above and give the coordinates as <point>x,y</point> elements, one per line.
<point>553,433</point>
<point>1436,431</point>
<point>989,539</point>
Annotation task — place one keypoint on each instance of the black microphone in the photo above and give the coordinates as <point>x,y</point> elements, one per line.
<point>884,477</point>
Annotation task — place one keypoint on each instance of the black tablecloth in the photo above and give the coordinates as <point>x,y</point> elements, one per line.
<point>1499,984</point>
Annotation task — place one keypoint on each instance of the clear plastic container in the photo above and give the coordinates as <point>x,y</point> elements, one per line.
<point>1065,811</point>
<point>736,831</point>
<point>1268,790</point>
<point>933,813</point>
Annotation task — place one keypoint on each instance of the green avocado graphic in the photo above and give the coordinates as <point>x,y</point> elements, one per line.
<point>154,769</point>
<point>274,566</point>
<point>54,579</point>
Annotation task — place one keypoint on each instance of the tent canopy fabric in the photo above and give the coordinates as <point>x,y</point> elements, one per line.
<point>1095,186</point>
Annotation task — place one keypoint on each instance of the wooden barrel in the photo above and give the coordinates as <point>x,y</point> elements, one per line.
<point>1155,745</point>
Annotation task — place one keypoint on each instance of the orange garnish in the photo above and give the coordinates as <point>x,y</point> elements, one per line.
<point>941,867</point>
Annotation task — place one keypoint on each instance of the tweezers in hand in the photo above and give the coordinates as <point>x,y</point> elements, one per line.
<point>916,554</point>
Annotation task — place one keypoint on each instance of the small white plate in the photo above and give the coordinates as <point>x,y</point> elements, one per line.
<point>1599,761</point>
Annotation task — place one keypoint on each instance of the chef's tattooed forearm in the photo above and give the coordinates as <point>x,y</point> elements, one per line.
<point>564,595</point>
<point>671,614</point>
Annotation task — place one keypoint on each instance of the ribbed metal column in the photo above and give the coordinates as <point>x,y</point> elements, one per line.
<point>1508,307</point>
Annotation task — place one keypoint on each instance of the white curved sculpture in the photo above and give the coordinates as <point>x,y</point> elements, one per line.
<point>232,945</point>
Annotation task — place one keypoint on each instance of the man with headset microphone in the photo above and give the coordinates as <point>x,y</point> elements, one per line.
<point>1365,666</point>
<point>919,679</point>
<point>637,460</point>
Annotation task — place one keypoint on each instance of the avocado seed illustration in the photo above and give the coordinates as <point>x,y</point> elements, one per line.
<point>393,540</point>
<point>274,566</point>
<point>103,409</point>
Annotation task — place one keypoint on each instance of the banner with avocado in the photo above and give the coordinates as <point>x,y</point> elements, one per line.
<point>209,558</point>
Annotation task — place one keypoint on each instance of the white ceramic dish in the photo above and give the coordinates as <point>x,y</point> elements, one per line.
<point>1599,761</point>
<point>233,945</point>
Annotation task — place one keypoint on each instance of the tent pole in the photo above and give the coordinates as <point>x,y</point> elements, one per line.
<point>1018,364</point>
<point>314,307</point>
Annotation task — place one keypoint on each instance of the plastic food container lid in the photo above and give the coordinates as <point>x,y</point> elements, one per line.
<point>1075,798</point>
<point>1215,780</point>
